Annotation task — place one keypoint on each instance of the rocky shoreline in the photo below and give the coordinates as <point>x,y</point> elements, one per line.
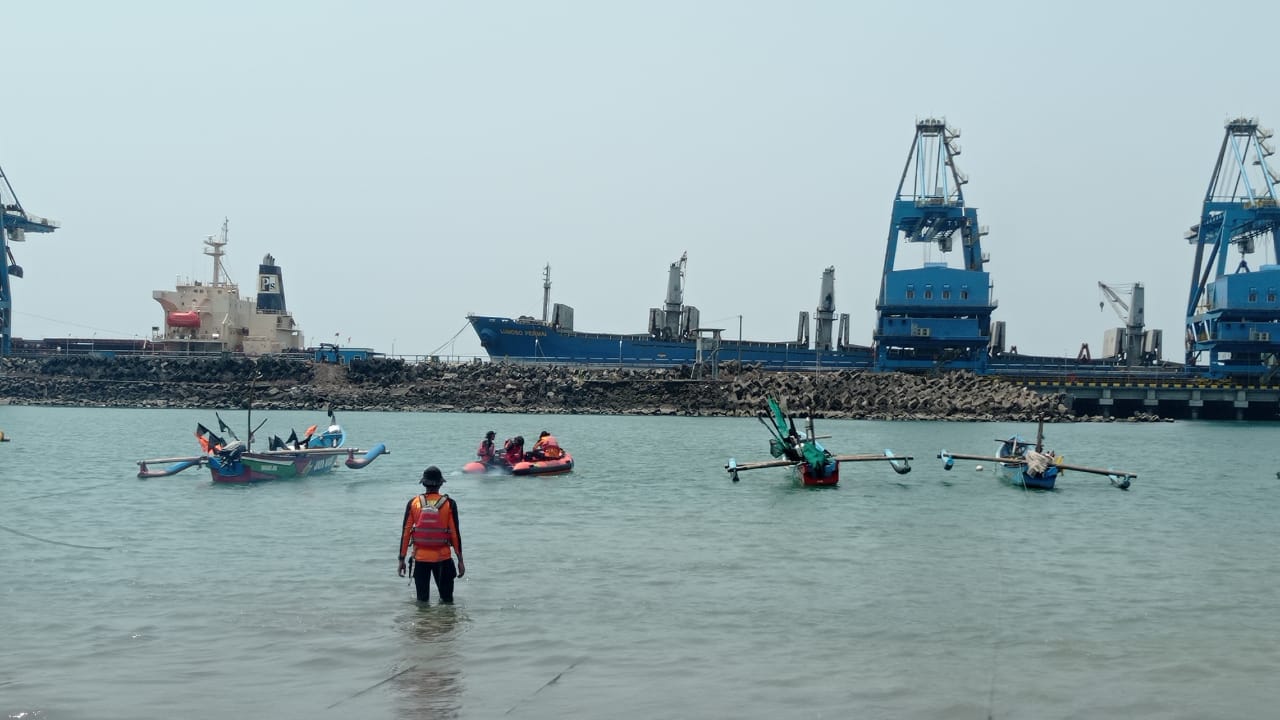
<point>394,385</point>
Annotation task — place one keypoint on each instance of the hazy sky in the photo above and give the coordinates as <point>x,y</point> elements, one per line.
<point>409,162</point>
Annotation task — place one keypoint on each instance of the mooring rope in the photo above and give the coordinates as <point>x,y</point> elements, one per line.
<point>371,687</point>
<point>545,685</point>
<point>54,542</point>
<point>450,340</point>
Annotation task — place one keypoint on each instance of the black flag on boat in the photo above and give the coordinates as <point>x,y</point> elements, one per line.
<point>224,428</point>
<point>208,441</point>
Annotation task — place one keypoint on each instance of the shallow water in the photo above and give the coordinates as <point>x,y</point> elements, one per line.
<point>635,588</point>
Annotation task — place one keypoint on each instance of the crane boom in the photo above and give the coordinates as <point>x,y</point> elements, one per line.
<point>1132,314</point>
<point>1117,303</point>
<point>15,223</point>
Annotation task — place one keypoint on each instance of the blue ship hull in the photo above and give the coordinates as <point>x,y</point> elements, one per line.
<point>533,341</point>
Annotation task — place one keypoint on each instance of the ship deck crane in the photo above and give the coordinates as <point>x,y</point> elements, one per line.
<point>1132,314</point>
<point>15,223</point>
<point>934,316</point>
<point>1234,316</point>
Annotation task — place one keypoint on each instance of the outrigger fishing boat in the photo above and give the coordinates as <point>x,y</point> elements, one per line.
<point>236,462</point>
<point>1029,465</point>
<point>813,464</point>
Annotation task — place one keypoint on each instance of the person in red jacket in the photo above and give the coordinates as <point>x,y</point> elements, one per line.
<point>515,451</point>
<point>431,526</point>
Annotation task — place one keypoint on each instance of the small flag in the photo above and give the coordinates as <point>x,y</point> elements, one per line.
<point>223,427</point>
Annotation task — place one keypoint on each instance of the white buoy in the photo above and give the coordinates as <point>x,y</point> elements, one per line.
<point>978,468</point>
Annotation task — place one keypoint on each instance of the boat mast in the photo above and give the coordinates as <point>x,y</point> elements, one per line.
<point>546,292</point>
<point>248,421</point>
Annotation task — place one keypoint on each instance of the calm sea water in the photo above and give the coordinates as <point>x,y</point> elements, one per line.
<point>643,585</point>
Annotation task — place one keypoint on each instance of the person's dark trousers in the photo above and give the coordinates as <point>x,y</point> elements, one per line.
<point>443,572</point>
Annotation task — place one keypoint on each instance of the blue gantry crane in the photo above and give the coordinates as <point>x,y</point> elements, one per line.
<point>934,316</point>
<point>15,223</point>
<point>1233,313</point>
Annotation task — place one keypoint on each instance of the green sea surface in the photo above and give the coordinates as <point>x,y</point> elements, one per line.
<point>644,584</point>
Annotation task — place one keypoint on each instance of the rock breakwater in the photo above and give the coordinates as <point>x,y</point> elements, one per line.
<point>394,385</point>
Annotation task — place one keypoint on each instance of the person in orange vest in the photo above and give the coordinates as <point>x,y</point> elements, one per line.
<point>486,452</point>
<point>431,526</point>
<point>547,447</point>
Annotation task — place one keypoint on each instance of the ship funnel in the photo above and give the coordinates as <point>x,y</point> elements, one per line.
<point>270,287</point>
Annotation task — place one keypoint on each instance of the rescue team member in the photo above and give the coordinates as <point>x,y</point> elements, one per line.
<point>486,452</point>
<point>547,447</point>
<point>431,524</point>
<point>515,450</point>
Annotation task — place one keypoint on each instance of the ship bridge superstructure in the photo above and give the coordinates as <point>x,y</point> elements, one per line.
<point>1233,308</point>
<point>212,316</point>
<point>934,316</point>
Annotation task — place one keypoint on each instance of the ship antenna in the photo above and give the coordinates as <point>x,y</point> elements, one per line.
<point>546,291</point>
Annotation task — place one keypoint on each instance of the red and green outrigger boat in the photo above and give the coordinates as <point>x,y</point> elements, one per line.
<point>812,463</point>
<point>237,462</point>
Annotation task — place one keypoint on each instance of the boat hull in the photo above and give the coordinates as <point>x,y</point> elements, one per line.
<point>475,467</point>
<point>1016,475</point>
<point>531,341</point>
<point>276,465</point>
<point>824,476</point>
<point>528,467</point>
<point>544,467</point>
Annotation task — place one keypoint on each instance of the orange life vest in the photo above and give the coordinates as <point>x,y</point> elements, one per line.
<point>548,447</point>
<point>431,530</point>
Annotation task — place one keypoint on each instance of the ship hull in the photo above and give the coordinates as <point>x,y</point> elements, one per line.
<point>531,341</point>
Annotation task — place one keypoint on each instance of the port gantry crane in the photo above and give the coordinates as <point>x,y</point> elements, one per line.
<point>1234,316</point>
<point>15,223</point>
<point>934,316</point>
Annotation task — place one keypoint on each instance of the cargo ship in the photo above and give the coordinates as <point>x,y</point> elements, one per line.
<point>211,317</point>
<point>673,338</point>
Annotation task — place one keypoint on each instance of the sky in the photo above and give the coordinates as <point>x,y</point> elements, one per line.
<point>408,163</point>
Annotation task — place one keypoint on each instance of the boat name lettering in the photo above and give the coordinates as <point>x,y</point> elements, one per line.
<point>514,331</point>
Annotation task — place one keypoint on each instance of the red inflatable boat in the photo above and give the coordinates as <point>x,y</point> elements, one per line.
<point>529,467</point>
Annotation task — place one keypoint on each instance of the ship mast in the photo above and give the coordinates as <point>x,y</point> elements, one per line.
<point>214,250</point>
<point>546,292</point>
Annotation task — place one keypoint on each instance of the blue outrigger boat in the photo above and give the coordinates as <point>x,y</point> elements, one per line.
<point>1028,465</point>
<point>236,461</point>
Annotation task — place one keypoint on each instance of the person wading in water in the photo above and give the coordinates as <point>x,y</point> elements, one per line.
<point>431,526</point>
